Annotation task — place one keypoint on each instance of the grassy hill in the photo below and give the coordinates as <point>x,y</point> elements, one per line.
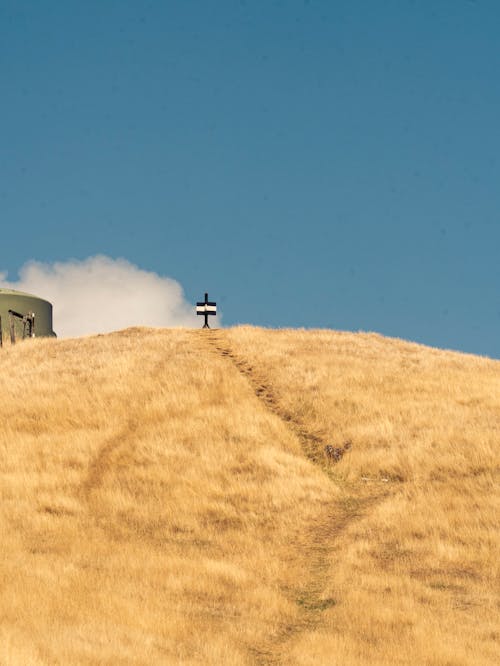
<point>166,499</point>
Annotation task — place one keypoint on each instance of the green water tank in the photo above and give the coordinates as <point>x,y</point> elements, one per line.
<point>25,305</point>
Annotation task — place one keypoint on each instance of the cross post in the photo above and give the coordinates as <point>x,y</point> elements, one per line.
<point>206,308</point>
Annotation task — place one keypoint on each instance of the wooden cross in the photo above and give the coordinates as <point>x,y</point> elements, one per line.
<point>206,308</point>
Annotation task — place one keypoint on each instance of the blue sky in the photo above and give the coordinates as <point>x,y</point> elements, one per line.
<point>320,164</point>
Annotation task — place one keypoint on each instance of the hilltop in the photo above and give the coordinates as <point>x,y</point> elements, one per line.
<point>166,499</point>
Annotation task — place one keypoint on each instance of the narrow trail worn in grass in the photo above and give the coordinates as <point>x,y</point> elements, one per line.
<point>310,442</point>
<point>102,461</point>
<point>317,546</point>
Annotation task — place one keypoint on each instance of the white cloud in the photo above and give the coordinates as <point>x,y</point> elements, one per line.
<point>100,294</point>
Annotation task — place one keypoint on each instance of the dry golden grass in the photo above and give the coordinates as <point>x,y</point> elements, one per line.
<point>417,577</point>
<point>166,500</point>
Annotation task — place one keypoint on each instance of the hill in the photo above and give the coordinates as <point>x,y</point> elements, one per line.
<point>166,499</point>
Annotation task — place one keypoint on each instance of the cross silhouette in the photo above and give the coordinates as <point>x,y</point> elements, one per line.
<point>206,308</point>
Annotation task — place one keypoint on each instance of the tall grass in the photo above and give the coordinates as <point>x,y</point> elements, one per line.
<point>156,510</point>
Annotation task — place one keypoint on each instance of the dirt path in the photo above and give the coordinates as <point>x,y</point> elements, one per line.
<point>310,442</point>
<point>105,459</point>
<point>317,549</point>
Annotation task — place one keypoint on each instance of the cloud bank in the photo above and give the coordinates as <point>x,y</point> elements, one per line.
<point>100,294</point>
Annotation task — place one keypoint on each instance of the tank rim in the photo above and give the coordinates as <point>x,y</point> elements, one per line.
<point>13,292</point>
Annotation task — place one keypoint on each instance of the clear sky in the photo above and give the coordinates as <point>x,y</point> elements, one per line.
<point>319,164</point>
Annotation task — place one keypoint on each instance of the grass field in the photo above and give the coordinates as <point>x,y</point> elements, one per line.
<point>166,499</point>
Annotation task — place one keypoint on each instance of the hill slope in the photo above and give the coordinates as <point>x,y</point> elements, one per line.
<point>166,499</point>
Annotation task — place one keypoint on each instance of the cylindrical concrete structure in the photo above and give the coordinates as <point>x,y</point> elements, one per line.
<point>25,305</point>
